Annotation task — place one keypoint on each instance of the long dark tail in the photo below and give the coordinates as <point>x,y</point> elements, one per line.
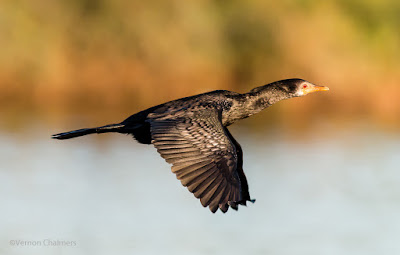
<point>87,131</point>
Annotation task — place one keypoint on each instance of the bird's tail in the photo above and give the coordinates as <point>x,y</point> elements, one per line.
<point>87,131</point>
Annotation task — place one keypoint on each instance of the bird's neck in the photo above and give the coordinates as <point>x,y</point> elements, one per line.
<point>264,96</point>
<point>253,102</point>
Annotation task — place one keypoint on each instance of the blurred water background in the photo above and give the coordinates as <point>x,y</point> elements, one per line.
<point>324,168</point>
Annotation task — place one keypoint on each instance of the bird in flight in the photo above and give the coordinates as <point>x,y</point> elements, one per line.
<point>191,134</point>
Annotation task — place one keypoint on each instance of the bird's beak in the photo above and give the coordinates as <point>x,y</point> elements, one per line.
<point>314,88</point>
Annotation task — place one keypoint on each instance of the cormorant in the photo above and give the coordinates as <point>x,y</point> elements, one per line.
<point>191,134</point>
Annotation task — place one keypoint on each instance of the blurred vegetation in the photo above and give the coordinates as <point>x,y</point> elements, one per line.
<point>102,59</point>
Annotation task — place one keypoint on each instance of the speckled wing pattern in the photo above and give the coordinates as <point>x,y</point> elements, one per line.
<point>203,155</point>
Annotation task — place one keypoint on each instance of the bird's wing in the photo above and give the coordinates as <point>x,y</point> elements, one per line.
<point>205,157</point>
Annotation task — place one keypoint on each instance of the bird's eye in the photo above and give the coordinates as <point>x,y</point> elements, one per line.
<point>304,86</point>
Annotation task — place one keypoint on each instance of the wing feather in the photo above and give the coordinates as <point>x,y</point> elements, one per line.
<point>198,176</point>
<point>204,156</point>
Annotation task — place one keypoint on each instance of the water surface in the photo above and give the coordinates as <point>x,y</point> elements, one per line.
<point>317,195</point>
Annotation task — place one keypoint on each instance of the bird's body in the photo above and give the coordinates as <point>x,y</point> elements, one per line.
<point>191,133</point>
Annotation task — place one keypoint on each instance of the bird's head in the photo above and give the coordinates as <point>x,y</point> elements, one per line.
<point>284,89</point>
<point>297,87</point>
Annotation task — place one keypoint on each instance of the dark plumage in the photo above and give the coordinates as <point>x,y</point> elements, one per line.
<point>191,134</point>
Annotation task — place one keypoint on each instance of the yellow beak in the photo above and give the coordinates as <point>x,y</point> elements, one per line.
<point>314,88</point>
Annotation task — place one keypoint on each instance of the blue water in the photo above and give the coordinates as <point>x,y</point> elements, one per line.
<point>320,194</point>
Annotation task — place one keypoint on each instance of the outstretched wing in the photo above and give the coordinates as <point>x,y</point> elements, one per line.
<point>205,157</point>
